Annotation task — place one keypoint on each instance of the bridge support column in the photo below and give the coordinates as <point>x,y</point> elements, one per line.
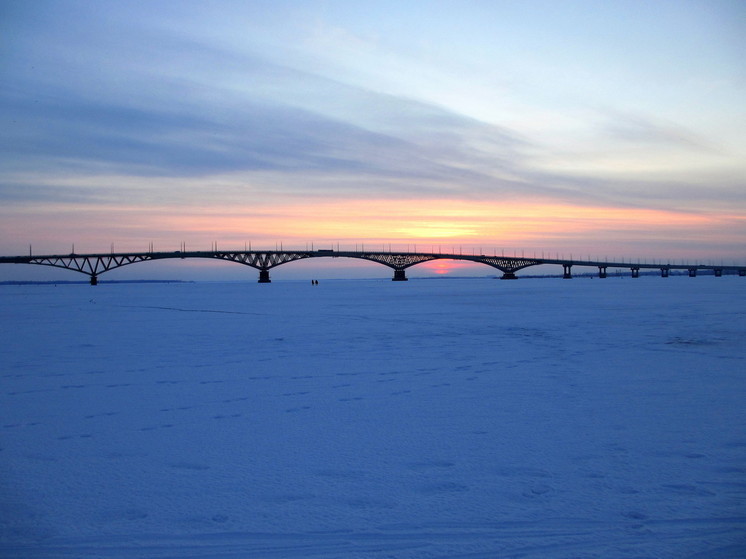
<point>664,272</point>
<point>567,271</point>
<point>399,275</point>
<point>94,279</point>
<point>602,272</point>
<point>718,272</point>
<point>508,275</point>
<point>692,272</point>
<point>635,272</point>
<point>742,273</point>
<point>264,276</point>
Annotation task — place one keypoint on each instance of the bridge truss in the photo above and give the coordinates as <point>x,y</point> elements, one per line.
<point>94,265</point>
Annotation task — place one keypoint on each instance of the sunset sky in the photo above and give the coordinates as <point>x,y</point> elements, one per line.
<point>607,129</point>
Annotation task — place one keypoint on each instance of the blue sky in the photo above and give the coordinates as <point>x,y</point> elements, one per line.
<point>607,128</point>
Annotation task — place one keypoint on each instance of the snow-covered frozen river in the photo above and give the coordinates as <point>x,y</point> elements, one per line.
<point>373,419</point>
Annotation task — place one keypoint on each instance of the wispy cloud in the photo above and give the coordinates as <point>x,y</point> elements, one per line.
<point>642,129</point>
<point>102,107</point>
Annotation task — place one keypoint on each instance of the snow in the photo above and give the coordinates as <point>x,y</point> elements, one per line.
<point>371,419</point>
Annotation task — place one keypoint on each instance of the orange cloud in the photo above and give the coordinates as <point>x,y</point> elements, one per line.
<point>426,221</point>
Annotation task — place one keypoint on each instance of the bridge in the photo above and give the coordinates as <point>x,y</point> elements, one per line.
<point>93,265</point>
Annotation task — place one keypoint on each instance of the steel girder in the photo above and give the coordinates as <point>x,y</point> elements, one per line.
<point>91,265</point>
<point>401,261</point>
<point>258,260</point>
<point>505,263</point>
<point>397,261</point>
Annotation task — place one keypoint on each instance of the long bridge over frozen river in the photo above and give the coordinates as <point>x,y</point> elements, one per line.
<point>93,265</point>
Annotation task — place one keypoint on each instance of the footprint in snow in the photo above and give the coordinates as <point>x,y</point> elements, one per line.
<point>103,414</point>
<point>231,400</point>
<point>301,408</point>
<point>537,490</point>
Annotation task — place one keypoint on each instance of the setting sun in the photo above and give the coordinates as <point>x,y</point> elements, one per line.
<point>445,267</point>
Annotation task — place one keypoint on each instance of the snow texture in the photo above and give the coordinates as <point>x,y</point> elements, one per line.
<point>371,419</point>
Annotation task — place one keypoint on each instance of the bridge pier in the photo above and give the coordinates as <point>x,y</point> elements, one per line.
<point>742,273</point>
<point>718,272</point>
<point>399,275</point>
<point>602,272</point>
<point>508,275</point>
<point>567,271</point>
<point>664,272</point>
<point>635,272</point>
<point>264,276</point>
<point>94,279</point>
<point>692,272</point>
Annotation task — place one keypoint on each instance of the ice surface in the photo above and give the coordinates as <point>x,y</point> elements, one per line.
<point>372,419</point>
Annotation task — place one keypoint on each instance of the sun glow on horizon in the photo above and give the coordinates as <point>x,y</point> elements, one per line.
<point>443,267</point>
